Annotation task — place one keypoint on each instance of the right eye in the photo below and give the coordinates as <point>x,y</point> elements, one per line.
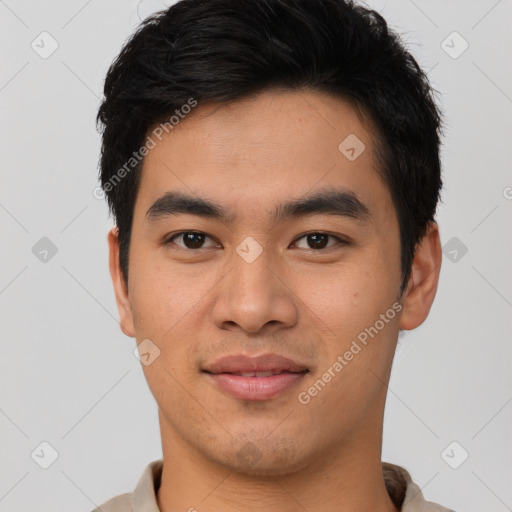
<point>192,240</point>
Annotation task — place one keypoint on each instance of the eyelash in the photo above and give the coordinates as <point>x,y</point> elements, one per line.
<point>341,241</point>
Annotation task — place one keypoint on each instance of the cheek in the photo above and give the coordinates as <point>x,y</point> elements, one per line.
<point>360,340</point>
<point>346,298</point>
<point>163,295</point>
<point>347,306</point>
<point>164,306</point>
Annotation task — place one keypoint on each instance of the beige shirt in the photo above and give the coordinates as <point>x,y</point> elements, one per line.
<point>404,493</point>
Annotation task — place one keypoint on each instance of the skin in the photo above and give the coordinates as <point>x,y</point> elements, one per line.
<point>304,303</point>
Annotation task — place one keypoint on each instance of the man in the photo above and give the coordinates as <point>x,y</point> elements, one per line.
<point>273,169</point>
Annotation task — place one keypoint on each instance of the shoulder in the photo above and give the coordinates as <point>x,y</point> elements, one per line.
<point>121,503</point>
<point>143,497</point>
<point>415,502</point>
<point>404,493</point>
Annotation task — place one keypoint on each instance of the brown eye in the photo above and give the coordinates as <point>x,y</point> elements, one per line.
<point>318,241</point>
<point>190,240</point>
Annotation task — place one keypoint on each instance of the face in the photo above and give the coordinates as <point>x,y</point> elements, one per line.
<point>294,253</point>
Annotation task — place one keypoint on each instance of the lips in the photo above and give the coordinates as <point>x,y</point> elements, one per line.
<point>259,374</point>
<point>271,364</point>
<point>255,378</point>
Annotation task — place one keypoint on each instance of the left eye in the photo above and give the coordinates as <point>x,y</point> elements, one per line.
<point>318,240</point>
<point>191,240</point>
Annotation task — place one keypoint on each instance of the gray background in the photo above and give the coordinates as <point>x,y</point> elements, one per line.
<point>68,375</point>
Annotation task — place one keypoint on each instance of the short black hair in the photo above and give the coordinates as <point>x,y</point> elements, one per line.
<point>226,50</point>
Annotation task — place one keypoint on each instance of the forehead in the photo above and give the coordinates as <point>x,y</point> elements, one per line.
<point>277,144</point>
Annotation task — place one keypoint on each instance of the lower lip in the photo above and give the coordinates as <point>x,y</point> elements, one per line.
<point>255,388</point>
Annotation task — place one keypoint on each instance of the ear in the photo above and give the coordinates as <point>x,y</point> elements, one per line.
<point>421,289</point>
<point>120,288</point>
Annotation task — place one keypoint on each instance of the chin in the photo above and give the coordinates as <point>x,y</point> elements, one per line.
<point>265,458</point>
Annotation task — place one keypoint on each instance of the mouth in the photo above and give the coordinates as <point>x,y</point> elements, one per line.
<point>259,374</point>
<point>255,378</point>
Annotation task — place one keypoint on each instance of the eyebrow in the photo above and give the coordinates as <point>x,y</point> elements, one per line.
<point>342,203</point>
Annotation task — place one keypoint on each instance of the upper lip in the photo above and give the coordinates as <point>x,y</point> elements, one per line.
<point>263,363</point>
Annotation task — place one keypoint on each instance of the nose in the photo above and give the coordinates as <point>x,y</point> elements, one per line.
<point>255,297</point>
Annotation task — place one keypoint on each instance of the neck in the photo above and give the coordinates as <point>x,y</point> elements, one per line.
<point>348,477</point>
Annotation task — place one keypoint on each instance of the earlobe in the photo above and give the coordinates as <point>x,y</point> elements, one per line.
<point>422,286</point>
<point>120,287</point>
